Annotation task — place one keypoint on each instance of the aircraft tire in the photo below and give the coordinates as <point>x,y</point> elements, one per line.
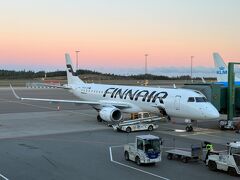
<point>168,118</point>
<point>189,128</point>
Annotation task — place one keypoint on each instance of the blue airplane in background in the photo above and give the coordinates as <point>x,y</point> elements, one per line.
<point>222,71</point>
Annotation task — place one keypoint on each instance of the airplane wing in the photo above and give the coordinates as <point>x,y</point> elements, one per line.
<point>102,103</point>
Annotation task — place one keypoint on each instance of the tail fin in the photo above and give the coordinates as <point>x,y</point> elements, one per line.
<point>71,74</point>
<point>221,68</point>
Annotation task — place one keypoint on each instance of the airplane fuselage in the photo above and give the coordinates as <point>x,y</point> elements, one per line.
<point>173,101</point>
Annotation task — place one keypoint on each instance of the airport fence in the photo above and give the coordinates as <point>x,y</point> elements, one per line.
<point>38,85</point>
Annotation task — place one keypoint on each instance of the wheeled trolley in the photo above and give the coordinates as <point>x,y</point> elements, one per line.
<point>184,155</point>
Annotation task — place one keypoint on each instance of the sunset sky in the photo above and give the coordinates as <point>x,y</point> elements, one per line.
<point>115,34</point>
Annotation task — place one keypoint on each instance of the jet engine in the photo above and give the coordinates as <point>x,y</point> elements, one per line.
<point>110,114</point>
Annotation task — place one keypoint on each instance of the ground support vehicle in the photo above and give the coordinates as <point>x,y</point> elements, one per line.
<point>143,121</point>
<point>227,161</point>
<point>195,153</point>
<point>230,125</point>
<point>146,149</point>
<point>138,126</point>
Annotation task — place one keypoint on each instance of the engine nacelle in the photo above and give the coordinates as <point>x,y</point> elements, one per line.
<point>110,114</point>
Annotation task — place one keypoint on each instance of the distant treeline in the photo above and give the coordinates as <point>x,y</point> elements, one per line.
<point>6,74</point>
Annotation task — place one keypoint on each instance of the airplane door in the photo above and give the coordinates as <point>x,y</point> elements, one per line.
<point>177,102</point>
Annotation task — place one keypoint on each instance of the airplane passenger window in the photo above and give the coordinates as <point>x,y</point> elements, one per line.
<point>191,99</point>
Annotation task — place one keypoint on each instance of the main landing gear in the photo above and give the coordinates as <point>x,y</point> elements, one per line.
<point>99,119</point>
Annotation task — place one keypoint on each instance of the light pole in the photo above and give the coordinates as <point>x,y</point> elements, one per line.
<point>146,55</point>
<point>146,81</point>
<point>77,59</point>
<point>191,65</point>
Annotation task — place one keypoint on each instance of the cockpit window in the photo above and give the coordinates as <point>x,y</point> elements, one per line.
<point>197,99</point>
<point>191,99</point>
<point>201,99</point>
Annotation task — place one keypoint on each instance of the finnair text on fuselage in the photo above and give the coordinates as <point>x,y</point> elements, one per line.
<point>135,94</point>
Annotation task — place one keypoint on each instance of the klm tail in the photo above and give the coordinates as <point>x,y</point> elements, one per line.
<point>71,74</point>
<point>221,68</point>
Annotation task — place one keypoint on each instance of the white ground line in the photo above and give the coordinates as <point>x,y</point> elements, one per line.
<point>27,104</point>
<point>43,107</point>
<point>2,176</point>
<point>199,133</point>
<point>209,134</point>
<point>155,175</point>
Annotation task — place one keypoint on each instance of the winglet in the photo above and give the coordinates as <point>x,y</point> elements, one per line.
<point>203,80</point>
<point>14,92</point>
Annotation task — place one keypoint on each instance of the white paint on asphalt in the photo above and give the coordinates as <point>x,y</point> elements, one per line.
<point>44,107</point>
<point>110,151</point>
<point>208,134</point>
<point>2,176</point>
<point>130,167</point>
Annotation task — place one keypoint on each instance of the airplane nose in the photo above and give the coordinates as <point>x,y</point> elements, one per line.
<point>212,113</point>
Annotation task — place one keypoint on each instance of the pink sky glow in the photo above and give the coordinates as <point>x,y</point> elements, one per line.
<point>118,33</point>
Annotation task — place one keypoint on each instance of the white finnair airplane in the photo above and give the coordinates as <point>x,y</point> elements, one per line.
<point>112,100</point>
<point>222,71</point>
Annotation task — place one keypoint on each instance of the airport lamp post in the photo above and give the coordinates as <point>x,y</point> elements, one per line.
<point>191,65</point>
<point>146,81</point>
<point>146,55</point>
<point>77,59</point>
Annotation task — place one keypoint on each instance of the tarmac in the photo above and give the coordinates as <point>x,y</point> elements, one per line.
<point>53,141</point>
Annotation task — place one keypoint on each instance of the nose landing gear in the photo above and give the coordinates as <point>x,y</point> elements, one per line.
<point>189,127</point>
